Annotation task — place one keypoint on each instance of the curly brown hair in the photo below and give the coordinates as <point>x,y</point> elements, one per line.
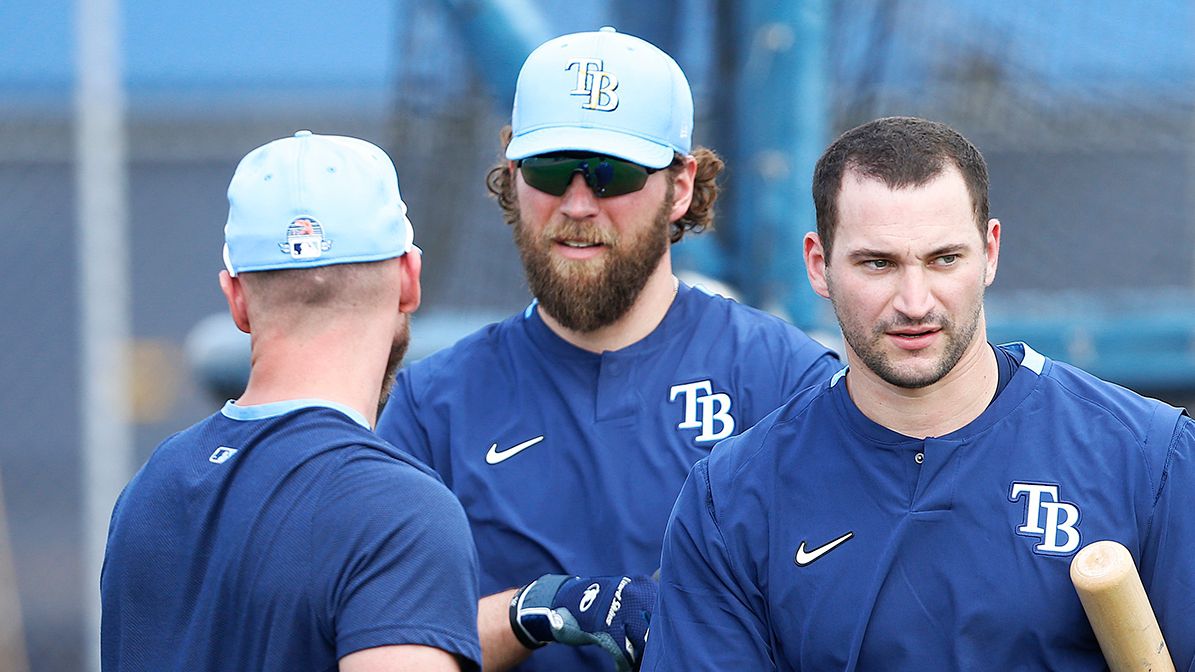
<point>699,217</point>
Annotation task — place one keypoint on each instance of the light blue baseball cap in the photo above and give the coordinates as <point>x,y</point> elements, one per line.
<point>314,200</point>
<point>604,92</point>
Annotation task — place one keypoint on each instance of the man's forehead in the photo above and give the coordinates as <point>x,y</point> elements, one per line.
<point>924,217</point>
<point>945,192</point>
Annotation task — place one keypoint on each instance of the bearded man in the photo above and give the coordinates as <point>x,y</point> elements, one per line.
<point>567,430</point>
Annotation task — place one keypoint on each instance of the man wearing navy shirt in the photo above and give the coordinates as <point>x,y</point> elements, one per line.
<point>921,509</point>
<point>281,533</point>
<point>567,429</point>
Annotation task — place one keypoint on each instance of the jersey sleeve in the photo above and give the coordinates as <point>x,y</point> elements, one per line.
<point>394,561</point>
<point>707,614</point>
<point>401,422</point>
<point>1167,563</point>
<point>809,364</point>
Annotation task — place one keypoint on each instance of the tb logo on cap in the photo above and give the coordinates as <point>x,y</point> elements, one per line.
<point>595,83</point>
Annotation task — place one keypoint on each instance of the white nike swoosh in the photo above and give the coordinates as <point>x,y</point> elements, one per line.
<point>804,558</point>
<point>495,456</point>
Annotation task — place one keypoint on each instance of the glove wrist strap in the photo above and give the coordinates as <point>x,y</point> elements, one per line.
<point>516,626</point>
<point>531,610</point>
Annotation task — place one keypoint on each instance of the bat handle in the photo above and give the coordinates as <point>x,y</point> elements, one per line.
<point>1110,589</point>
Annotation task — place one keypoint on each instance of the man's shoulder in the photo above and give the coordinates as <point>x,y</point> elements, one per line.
<point>743,328</point>
<point>380,462</point>
<point>1073,390</point>
<point>485,344</point>
<point>1078,407</point>
<point>740,314</point>
<point>762,448</point>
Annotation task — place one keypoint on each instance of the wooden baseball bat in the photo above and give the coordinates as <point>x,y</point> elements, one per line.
<point>1116,604</point>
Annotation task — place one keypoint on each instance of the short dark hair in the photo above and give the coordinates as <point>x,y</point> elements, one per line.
<point>320,290</point>
<point>900,152</point>
<point>698,218</point>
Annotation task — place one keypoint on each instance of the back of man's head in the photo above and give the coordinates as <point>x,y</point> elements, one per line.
<point>308,215</point>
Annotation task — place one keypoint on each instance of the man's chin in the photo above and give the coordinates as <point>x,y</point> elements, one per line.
<point>578,270</point>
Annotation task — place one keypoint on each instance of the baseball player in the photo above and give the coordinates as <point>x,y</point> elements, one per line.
<point>281,533</point>
<point>920,509</point>
<point>567,429</point>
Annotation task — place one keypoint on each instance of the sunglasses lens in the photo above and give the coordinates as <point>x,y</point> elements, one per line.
<point>549,174</point>
<point>607,177</point>
<point>615,178</point>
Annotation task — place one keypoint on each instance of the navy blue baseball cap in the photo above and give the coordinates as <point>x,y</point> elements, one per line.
<point>313,200</point>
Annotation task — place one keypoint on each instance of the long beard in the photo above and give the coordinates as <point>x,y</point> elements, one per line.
<point>584,296</point>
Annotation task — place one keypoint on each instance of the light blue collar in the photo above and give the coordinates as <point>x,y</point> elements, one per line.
<point>262,411</point>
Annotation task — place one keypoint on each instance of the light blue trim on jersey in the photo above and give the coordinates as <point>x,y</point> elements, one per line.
<point>530,308</point>
<point>1031,360</point>
<point>262,411</point>
<point>839,376</point>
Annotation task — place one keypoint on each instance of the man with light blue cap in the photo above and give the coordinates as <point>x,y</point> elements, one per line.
<point>280,533</point>
<point>568,429</point>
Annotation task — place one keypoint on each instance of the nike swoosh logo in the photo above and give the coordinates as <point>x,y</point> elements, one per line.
<point>804,557</point>
<point>495,456</point>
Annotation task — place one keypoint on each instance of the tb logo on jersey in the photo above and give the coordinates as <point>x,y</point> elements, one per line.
<point>1047,517</point>
<point>704,409</point>
<point>594,82</point>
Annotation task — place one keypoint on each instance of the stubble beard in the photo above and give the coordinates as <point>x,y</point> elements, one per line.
<point>398,350</point>
<point>868,343</point>
<point>584,296</point>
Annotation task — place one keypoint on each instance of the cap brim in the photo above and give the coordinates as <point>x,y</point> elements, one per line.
<point>603,141</point>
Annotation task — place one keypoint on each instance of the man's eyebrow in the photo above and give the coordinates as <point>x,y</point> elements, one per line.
<point>875,253</point>
<point>953,248</point>
<point>868,253</point>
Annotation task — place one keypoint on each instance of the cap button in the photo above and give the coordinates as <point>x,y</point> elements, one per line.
<point>607,29</point>
<point>302,134</point>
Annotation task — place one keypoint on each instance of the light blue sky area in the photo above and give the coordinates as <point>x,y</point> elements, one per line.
<point>241,44</point>
<point>1084,46</point>
<point>237,43</point>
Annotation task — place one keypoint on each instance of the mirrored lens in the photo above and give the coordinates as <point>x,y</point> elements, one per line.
<point>552,173</point>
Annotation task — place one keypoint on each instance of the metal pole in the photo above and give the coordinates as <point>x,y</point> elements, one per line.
<point>781,114</point>
<point>500,34</point>
<point>103,276</point>
<point>12,631</point>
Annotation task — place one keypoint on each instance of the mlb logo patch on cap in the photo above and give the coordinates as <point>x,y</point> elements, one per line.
<point>305,239</point>
<point>313,200</point>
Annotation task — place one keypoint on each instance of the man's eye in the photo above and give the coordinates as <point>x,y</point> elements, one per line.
<point>947,259</point>
<point>877,263</point>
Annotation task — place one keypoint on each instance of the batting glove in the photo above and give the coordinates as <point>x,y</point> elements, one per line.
<point>610,611</point>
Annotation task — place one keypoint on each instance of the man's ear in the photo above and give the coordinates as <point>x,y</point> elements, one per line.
<point>412,266</point>
<point>815,264</point>
<point>992,249</point>
<point>234,293</point>
<point>682,193</point>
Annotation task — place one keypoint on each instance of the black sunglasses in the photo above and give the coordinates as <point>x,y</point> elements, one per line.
<point>606,176</point>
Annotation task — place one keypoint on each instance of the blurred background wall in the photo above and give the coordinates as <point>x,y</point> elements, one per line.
<point>1085,112</point>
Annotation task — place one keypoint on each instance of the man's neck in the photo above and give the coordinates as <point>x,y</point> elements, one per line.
<point>640,320</point>
<point>939,409</point>
<point>341,365</point>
